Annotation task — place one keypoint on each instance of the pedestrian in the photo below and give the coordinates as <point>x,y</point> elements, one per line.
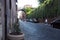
<point>21,15</point>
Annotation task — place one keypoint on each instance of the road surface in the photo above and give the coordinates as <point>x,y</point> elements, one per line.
<point>38,31</point>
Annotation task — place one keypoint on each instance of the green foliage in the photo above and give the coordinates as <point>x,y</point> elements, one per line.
<point>47,9</point>
<point>28,11</point>
<point>16,30</point>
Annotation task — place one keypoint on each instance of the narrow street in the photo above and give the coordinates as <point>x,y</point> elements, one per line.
<point>39,31</point>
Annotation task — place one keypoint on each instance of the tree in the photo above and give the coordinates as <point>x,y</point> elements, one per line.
<point>28,11</point>
<point>47,9</point>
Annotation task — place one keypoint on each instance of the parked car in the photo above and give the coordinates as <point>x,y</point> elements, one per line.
<point>32,20</point>
<point>56,23</point>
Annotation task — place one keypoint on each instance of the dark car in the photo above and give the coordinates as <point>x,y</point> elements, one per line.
<point>32,20</point>
<point>56,23</point>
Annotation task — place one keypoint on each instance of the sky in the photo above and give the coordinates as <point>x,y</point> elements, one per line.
<point>21,3</point>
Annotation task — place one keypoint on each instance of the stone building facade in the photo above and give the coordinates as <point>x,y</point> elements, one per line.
<point>8,14</point>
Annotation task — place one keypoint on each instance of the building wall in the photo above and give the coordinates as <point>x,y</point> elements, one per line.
<point>3,19</point>
<point>0,12</point>
<point>13,12</point>
<point>0,9</point>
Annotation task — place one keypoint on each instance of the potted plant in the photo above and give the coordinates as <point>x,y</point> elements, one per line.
<point>16,34</point>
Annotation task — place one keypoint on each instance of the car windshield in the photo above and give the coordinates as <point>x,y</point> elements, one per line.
<point>58,21</point>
